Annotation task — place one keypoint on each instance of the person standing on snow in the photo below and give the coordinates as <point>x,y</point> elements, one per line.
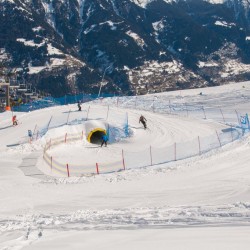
<point>14,120</point>
<point>104,140</point>
<point>143,121</point>
<point>79,106</point>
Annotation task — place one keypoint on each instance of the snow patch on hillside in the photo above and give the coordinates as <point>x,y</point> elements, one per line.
<point>37,29</point>
<point>216,1</point>
<point>30,43</point>
<point>53,51</point>
<point>3,54</point>
<point>35,70</point>
<point>234,67</point>
<point>207,64</point>
<point>111,24</point>
<point>81,4</point>
<point>224,24</point>
<point>144,3</point>
<point>49,15</point>
<point>156,75</point>
<point>140,42</point>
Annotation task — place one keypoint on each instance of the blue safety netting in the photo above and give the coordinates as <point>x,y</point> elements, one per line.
<point>51,101</point>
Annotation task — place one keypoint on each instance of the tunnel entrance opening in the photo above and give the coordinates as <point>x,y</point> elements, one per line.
<point>96,137</point>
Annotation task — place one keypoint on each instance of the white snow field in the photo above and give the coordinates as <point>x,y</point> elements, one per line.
<point>186,183</point>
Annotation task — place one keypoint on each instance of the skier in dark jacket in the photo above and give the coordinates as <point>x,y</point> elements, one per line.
<point>104,140</point>
<point>143,121</point>
<point>79,106</point>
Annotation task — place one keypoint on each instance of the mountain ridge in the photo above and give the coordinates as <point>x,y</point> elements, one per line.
<point>138,47</point>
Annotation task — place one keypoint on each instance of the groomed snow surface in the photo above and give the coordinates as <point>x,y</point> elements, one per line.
<point>201,202</point>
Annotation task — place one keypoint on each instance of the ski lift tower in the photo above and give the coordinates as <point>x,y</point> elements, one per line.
<point>6,85</point>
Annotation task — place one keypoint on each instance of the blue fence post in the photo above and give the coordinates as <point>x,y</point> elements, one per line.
<point>126,126</point>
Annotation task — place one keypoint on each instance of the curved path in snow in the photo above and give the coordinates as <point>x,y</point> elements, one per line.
<point>163,131</point>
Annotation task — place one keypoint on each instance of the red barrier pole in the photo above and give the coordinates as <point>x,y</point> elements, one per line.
<point>205,117</point>
<point>222,115</point>
<point>97,168</point>
<point>123,161</point>
<point>68,169</point>
<point>51,163</point>
<point>199,145</point>
<point>218,137</point>
<point>65,140</point>
<point>175,151</point>
<point>151,156</point>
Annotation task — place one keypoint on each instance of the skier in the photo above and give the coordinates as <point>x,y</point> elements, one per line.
<point>104,140</point>
<point>79,106</point>
<point>14,120</point>
<point>143,121</point>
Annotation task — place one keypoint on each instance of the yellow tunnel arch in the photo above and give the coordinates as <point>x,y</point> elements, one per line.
<point>94,131</point>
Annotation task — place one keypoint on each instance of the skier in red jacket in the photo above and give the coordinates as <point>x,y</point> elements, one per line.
<point>14,120</point>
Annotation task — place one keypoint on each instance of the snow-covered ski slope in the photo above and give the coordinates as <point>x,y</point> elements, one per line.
<point>200,202</point>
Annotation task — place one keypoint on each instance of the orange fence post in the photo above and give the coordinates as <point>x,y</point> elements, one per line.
<point>97,168</point>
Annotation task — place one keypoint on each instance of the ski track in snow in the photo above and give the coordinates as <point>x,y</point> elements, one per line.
<point>133,218</point>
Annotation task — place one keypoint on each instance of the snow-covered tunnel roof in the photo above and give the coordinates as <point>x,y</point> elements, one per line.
<point>93,126</point>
